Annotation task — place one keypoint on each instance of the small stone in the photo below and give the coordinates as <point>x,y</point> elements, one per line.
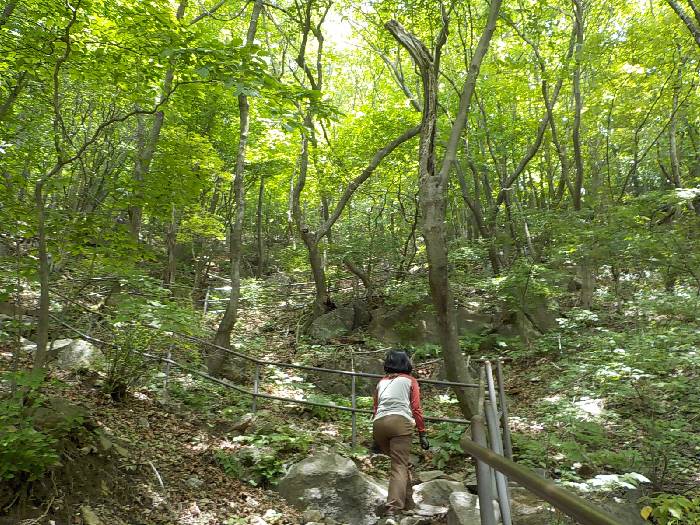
<point>89,516</point>
<point>458,476</point>
<point>312,515</point>
<point>429,475</point>
<point>143,422</point>
<point>415,520</point>
<point>436,493</point>
<point>257,520</point>
<point>194,482</point>
<point>272,516</point>
<point>244,423</point>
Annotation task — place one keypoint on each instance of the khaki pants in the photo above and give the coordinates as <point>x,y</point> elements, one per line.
<point>394,434</point>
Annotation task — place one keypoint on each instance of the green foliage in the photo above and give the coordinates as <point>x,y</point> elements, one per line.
<point>262,460</point>
<point>25,453</point>
<point>125,364</point>
<point>444,441</point>
<point>672,509</point>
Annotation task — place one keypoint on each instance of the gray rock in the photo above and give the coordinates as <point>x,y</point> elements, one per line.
<point>333,324</point>
<point>75,354</point>
<point>194,482</point>
<point>416,324</point>
<point>429,475</point>
<point>312,515</point>
<point>335,486</point>
<point>463,509</point>
<point>436,492</point>
<point>243,424</point>
<point>415,520</point>
<point>336,384</point>
<point>363,315</point>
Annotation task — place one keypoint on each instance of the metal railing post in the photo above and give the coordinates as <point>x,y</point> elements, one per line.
<point>483,474</point>
<point>206,300</point>
<point>353,402</point>
<point>166,379</point>
<point>485,481</point>
<point>496,444</point>
<point>567,502</point>
<point>256,387</point>
<point>497,447</point>
<point>507,443</point>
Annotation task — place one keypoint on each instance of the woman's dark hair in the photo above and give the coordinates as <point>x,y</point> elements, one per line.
<point>397,362</point>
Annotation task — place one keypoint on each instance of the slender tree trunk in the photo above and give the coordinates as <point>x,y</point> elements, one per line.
<point>578,104</point>
<point>171,242</point>
<point>148,141</point>
<point>433,186</point>
<point>7,11</point>
<point>259,228</point>
<point>672,139</point>
<point>42,331</point>
<point>217,359</point>
<point>12,97</point>
<point>359,273</point>
<point>692,26</point>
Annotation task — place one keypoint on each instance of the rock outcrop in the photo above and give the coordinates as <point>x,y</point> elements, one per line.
<point>335,487</point>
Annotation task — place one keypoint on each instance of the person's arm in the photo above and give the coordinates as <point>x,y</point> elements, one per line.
<point>376,400</point>
<point>417,412</point>
<point>416,409</point>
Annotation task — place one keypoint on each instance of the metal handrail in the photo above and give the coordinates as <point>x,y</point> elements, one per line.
<point>279,364</point>
<point>240,389</point>
<point>570,504</point>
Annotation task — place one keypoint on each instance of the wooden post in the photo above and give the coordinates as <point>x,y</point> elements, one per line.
<point>256,387</point>
<point>507,442</point>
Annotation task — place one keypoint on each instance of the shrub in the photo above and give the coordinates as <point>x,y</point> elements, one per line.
<point>25,453</point>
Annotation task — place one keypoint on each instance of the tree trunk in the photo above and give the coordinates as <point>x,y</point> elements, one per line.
<point>360,274</point>
<point>171,243</point>
<point>433,187</point>
<point>578,104</point>
<point>148,141</point>
<point>14,93</point>
<point>259,228</point>
<point>672,141</point>
<point>7,12</point>
<point>217,359</point>
<point>42,330</point>
<point>585,272</point>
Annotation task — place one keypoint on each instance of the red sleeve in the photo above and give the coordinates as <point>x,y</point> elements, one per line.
<point>376,402</point>
<point>415,405</point>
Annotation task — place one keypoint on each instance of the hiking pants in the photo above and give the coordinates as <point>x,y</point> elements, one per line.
<point>394,434</point>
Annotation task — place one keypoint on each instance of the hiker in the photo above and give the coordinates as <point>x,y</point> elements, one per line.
<point>396,411</point>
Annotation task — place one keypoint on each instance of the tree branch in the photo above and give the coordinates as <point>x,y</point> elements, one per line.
<point>692,27</point>
<point>468,89</point>
<point>366,173</point>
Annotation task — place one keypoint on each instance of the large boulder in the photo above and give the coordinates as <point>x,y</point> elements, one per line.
<point>333,324</point>
<point>433,497</point>
<point>463,509</point>
<point>371,363</point>
<point>333,485</point>
<point>75,354</point>
<point>416,324</point>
